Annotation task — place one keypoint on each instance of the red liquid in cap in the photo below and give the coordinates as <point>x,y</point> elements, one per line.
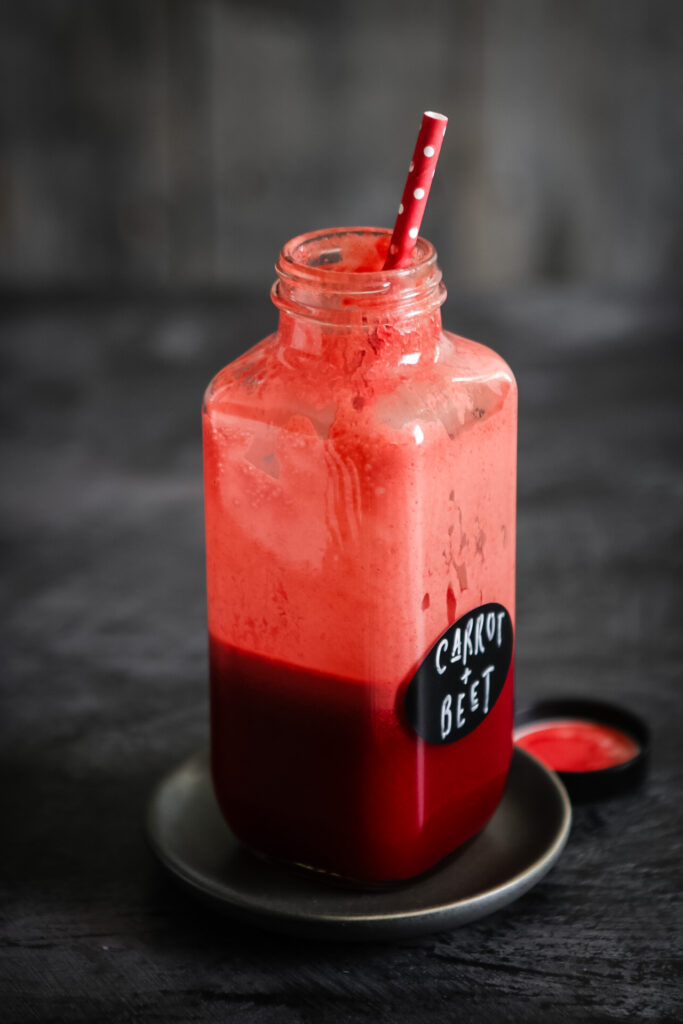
<point>576,745</point>
<point>360,496</point>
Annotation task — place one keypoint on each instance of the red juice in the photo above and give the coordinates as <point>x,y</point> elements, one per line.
<point>577,745</point>
<point>306,771</point>
<point>360,503</point>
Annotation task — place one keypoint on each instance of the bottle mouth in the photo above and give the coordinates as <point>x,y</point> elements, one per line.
<point>327,275</point>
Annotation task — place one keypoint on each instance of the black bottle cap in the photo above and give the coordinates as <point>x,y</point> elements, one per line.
<point>597,749</point>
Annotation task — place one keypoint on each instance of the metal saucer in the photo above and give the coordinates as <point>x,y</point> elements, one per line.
<point>519,845</point>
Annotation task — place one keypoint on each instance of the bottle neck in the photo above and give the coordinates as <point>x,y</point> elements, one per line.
<point>337,302</point>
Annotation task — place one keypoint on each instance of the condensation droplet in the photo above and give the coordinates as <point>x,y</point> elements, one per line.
<point>451,604</point>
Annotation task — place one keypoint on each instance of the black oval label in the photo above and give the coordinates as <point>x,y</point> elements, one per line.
<point>462,677</point>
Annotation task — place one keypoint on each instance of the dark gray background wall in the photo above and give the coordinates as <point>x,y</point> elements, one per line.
<point>176,143</point>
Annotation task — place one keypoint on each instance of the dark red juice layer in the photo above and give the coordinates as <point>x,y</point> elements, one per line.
<point>577,745</point>
<point>307,770</point>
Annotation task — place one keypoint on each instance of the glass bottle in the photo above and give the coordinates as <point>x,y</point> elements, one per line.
<point>360,471</point>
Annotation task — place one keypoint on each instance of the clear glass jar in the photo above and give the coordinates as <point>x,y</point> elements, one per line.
<point>360,469</point>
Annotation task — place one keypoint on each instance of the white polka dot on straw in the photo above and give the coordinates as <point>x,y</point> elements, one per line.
<point>400,209</point>
<point>419,193</point>
<point>428,151</point>
<point>413,232</point>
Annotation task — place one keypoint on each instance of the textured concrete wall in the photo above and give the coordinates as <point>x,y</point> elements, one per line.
<point>171,142</point>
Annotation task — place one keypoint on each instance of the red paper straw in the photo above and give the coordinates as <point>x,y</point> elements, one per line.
<point>415,194</point>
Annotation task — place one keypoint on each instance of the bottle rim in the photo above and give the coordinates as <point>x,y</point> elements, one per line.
<point>307,286</point>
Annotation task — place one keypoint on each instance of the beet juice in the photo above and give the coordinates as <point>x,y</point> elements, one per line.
<point>360,533</point>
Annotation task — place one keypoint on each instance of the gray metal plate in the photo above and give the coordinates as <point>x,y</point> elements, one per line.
<point>519,845</point>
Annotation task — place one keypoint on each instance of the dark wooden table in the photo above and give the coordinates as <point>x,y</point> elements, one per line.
<point>104,671</point>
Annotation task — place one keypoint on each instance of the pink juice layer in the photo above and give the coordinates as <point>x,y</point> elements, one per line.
<point>360,496</point>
